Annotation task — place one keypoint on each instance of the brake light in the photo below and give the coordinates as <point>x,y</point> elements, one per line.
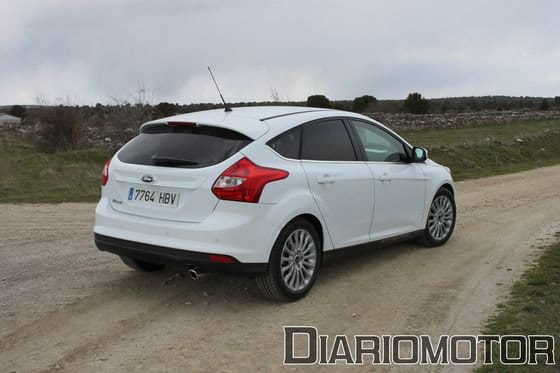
<point>181,124</point>
<point>105,173</point>
<point>245,181</point>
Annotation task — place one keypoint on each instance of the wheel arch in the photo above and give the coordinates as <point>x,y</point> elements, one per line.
<point>316,224</point>
<point>449,187</point>
<point>431,193</point>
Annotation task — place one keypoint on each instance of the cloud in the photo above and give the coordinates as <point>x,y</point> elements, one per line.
<point>95,50</point>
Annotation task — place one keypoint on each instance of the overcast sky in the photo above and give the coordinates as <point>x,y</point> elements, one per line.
<point>91,51</point>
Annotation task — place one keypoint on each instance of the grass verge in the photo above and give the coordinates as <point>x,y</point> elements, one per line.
<point>532,308</point>
<point>435,137</point>
<point>487,159</point>
<point>27,175</point>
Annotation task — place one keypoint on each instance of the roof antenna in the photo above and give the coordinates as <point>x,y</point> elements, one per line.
<point>227,108</point>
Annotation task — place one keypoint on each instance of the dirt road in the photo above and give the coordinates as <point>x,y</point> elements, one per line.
<point>66,306</point>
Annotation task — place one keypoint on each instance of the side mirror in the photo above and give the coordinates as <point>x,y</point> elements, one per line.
<point>419,155</point>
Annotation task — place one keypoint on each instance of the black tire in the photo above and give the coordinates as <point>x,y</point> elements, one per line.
<point>141,265</point>
<point>271,284</point>
<point>427,238</point>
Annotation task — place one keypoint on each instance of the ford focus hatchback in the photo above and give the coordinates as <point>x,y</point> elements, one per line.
<point>266,192</point>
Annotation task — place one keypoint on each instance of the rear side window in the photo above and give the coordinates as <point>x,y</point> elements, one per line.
<point>187,147</point>
<point>287,144</point>
<point>327,141</point>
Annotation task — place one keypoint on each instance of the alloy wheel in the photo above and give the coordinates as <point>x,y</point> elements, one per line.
<point>298,260</point>
<point>440,217</point>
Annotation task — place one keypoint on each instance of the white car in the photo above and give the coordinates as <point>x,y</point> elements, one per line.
<point>267,192</point>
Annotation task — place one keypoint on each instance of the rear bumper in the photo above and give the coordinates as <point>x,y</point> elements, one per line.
<point>245,232</point>
<point>173,257</point>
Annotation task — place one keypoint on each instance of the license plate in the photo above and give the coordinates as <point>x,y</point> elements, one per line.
<point>150,196</point>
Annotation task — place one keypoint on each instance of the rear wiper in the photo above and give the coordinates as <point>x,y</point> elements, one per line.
<point>172,161</point>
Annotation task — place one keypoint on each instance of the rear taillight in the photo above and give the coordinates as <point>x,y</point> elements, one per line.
<point>105,173</point>
<point>245,181</point>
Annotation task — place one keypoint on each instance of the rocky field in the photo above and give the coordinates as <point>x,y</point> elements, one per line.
<point>105,131</point>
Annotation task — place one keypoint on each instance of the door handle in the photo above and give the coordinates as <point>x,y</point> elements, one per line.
<point>325,180</point>
<point>385,178</point>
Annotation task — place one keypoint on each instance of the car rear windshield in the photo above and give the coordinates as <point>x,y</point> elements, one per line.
<point>187,147</point>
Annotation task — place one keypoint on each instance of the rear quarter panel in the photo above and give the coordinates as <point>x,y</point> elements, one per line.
<point>291,196</point>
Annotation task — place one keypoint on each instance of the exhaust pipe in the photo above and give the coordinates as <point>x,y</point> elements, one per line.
<point>194,274</point>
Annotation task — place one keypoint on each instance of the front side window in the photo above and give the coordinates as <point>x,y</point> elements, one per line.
<point>327,141</point>
<point>379,146</point>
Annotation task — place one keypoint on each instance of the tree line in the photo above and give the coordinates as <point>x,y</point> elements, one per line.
<point>414,103</point>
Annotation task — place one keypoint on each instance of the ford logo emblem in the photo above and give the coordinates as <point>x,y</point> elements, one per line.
<point>147,179</point>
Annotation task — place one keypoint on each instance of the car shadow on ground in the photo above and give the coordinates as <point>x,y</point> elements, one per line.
<point>243,291</point>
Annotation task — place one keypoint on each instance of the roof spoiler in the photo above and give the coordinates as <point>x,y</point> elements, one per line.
<point>150,125</point>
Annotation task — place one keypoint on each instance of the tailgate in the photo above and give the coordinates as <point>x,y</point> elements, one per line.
<point>167,172</point>
<point>173,194</point>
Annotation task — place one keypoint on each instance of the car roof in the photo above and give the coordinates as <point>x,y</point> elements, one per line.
<point>248,120</point>
<point>255,121</point>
